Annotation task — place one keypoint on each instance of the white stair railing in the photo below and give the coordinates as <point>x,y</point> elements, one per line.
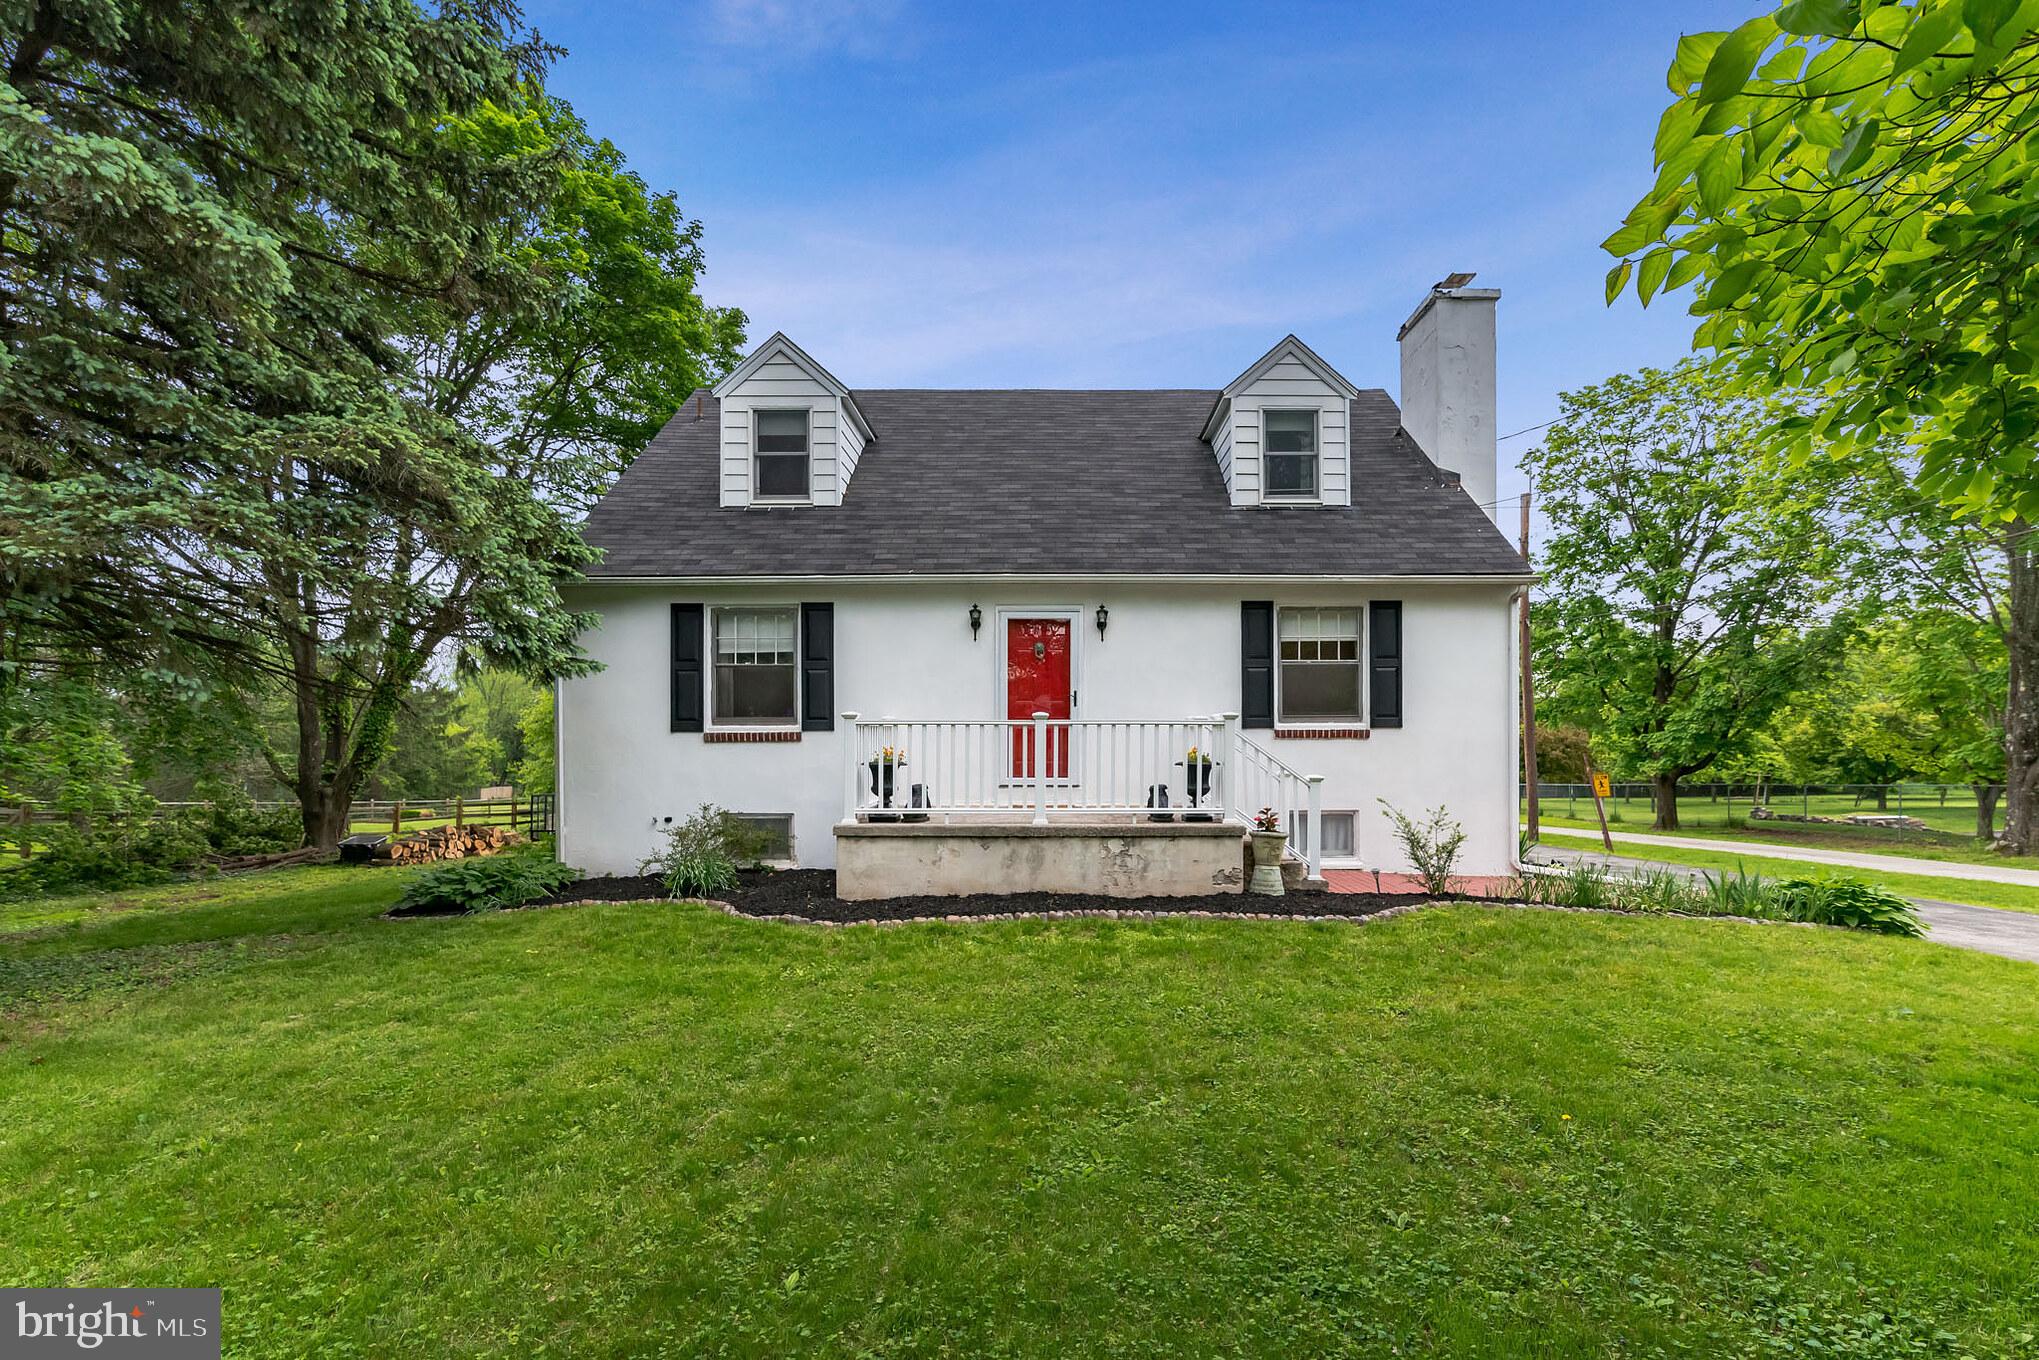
<point>1262,779</point>
<point>1042,767</point>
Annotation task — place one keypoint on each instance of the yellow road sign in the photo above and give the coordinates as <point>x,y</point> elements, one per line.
<point>1601,787</point>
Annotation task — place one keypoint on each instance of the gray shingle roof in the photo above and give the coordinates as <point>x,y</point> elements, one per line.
<point>1041,482</point>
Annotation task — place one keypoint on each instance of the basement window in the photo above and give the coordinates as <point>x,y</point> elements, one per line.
<point>1288,455</point>
<point>1340,838</point>
<point>775,831</point>
<point>780,461</point>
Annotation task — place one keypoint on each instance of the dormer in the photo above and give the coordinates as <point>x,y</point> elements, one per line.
<point>791,433</point>
<point>1279,430</point>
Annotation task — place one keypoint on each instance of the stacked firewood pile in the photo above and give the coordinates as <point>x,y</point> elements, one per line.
<point>448,842</point>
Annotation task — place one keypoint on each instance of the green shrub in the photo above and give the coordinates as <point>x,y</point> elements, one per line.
<point>1835,901</point>
<point>233,825</point>
<point>1582,886</point>
<point>1660,892</point>
<point>486,883</point>
<point>700,873</point>
<point>1431,845</point>
<point>1849,902</point>
<point>109,854</point>
<point>1741,894</point>
<point>701,856</point>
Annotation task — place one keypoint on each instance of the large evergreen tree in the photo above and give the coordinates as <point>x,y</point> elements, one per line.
<point>318,323</point>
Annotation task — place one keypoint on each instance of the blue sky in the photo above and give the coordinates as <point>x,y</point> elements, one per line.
<point>1051,195</point>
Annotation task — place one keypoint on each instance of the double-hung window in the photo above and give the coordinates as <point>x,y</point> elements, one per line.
<point>1319,679</point>
<point>756,671</point>
<point>780,465</point>
<point>1288,455</point>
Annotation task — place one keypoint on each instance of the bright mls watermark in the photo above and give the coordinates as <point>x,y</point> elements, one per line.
<point>162,1324</point>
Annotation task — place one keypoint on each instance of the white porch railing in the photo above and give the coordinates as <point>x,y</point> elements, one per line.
<point>1044,769</point>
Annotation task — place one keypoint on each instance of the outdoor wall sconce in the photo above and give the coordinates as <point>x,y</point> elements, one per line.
<point>1104,616</point>
<point>976,621</point>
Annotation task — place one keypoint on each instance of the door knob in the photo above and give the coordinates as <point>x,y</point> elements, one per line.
<point>1040,650</point>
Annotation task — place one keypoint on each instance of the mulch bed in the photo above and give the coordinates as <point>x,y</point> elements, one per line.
<point>809,895</point>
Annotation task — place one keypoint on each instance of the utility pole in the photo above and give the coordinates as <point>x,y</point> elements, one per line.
<point>1528,694</point>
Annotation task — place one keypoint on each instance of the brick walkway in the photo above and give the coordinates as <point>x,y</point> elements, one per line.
<point>1362,881</point>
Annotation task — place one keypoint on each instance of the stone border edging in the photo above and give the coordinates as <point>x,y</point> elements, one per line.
<point>1114,914</point>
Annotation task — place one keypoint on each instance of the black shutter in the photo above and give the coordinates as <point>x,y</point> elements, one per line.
<point>1256,652</point>
<point>1384,635</point>
<point>687,687</point>
<point>817,668</point>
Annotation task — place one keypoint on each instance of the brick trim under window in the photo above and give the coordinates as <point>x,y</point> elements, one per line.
<point>1322,734</point>
<point>789,734</point>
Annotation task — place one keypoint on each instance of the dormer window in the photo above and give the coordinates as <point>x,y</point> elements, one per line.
<point>780,458</point>
<point>1289,457</point>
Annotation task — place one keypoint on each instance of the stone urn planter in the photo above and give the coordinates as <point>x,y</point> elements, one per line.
<point>1267,850</point>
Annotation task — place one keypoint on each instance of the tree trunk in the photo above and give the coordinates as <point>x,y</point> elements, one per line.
<point>1986,811</point>
<point>1664,793</point>
<point>325,816</point>
<point>1883,797</point>
<point>2021,706</point>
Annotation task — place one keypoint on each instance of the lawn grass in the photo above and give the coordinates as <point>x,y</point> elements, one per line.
<point>1935,845</point>
<point>635,1130</point>
<point>2010,896</point>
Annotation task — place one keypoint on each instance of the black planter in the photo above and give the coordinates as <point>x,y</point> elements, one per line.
<point>882,775</point>
<point>1197,778</point>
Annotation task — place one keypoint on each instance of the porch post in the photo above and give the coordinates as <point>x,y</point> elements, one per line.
<point>1315,859</point>
<point>1040,769</point>
<point>1229,776</point>
<point>849,767</point>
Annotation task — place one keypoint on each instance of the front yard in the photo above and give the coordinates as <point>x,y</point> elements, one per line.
<point>629,1130</point>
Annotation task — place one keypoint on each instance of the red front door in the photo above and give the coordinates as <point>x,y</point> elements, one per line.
<point>1037,681</point>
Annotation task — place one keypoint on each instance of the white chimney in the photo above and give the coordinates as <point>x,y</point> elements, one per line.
<point>1448,384</point>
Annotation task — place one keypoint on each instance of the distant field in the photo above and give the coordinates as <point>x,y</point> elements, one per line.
<point>1729,859</point>
<point>1950,834</point>
<point>1951,813</point>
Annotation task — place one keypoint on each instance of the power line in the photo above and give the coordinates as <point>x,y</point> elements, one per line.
<point>1532,429</point>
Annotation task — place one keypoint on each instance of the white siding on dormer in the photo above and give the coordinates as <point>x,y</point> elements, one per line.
<point>1245,424</point>
<point>782,384</point>
<point>849,447</point>
<point>1221,445</point>
<point>1293,384</point>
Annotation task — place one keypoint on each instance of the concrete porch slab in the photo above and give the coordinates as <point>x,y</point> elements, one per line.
<point>1107,857</point>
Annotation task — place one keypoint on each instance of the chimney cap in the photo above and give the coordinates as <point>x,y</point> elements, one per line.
<point>1450,286</point>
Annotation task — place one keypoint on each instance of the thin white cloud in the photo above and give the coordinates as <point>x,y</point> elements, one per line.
<point>806,28</point>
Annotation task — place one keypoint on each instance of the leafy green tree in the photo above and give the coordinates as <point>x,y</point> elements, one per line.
<point>1941,677</point>
<point>1949,632</point>
<point>1848,185</point>
<point>491,707</point>
<point>308,363</point>
<point>1681,610</point>
<point>537,771</point>
<point>430,754</point>
<point>568,391</point>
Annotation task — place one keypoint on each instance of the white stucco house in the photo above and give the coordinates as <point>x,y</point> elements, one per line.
<point>1041,602</point>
